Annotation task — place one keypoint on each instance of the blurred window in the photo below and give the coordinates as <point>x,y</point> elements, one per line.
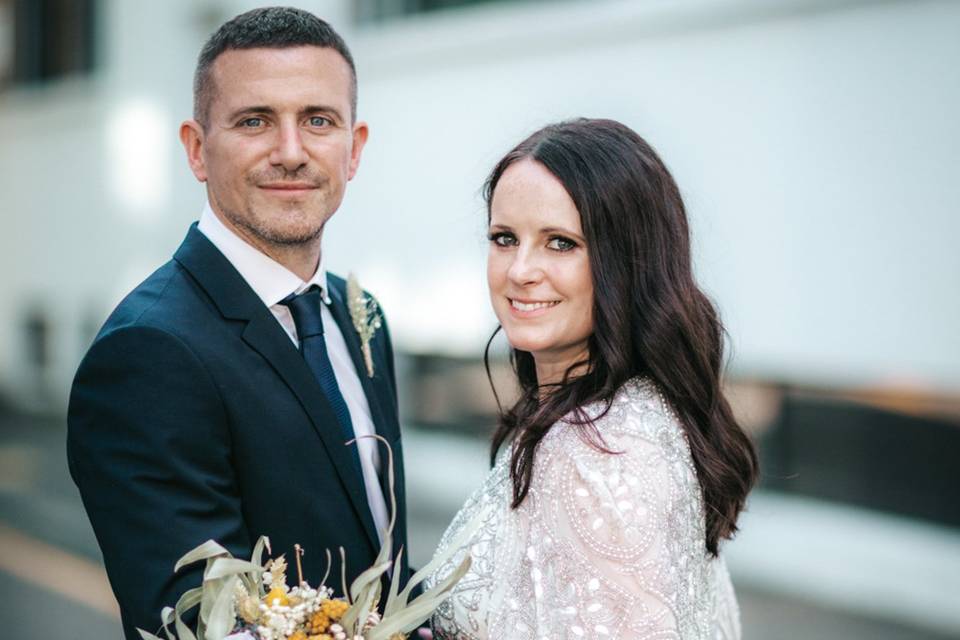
<point>50,39</point>
<point>381,10</point>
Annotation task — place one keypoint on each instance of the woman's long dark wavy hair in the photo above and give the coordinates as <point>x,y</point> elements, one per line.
<point>650,318</point>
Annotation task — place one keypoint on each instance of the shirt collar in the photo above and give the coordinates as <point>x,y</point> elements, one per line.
<point>270,280</point>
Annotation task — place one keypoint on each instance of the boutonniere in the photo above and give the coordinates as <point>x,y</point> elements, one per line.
<point>366,318</point>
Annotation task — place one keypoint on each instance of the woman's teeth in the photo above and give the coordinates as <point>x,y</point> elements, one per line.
<point>532,306</point>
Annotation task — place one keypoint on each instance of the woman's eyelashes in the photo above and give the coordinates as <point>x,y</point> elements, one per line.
<point>561,244</point>
<point>502,238</point>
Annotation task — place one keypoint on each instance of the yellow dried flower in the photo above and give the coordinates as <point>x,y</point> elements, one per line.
<point>276,596</point>
<point>334,608</point>
<point>321,636</point>
<point>297,635</point>
<point>318,622</point>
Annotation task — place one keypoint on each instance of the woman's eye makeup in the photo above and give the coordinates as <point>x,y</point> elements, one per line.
<point>560,243</point>
<point>502,238</point>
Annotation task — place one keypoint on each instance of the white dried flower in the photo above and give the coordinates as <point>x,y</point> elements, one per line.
<point>365,316</point>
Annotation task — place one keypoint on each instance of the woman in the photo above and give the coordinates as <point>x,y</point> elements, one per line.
<point>622,467</point>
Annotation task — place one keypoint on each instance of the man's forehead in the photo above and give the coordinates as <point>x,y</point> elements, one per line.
<point>306,58</point>
<point>282,77</point>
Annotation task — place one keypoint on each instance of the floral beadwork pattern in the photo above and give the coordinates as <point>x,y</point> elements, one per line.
<point>604,546</point>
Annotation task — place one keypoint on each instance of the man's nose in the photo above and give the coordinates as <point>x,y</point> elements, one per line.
<point>289,151</point>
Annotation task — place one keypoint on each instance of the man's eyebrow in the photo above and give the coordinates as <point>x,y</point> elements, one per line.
<point>322,108</point>
<point>251,110</point>
<point>270,111</point>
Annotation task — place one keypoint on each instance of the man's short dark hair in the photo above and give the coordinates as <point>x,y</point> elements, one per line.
<point>267,27</point>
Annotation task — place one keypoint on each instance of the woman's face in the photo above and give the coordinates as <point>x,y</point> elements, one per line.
<point>538,269</point>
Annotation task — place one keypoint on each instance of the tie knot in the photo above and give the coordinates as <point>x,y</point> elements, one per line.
<point>305,309</point>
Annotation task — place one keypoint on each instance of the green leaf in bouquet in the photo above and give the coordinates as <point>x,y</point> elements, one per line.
<point>183,631</point>
<point>255,586</point>
<point>222,615</point>
<point>187,601</point>
<point>410,617</point>
<point>326,574</point>
<point>370,577</point>
<point>225,567</point>
<point>166,619</point>
<point>146,635</point>
<point>208,549</point>
<point>211,590</point>
<point>343,574</point>
<point>455,545</point>
<point>365,592</point>
<point>395,578</point>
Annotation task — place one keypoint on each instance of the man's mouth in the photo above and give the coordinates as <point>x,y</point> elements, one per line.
<point>288,186</point>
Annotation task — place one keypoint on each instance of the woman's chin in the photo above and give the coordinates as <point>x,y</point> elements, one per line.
<point>532,344</point>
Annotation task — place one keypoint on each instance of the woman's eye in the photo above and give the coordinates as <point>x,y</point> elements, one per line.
<point>502,239</point>
<point>251,122</point>
<point>559,243</point>
<point>319,121</point>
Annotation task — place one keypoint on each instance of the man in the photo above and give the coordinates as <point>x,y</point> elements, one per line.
<point>216,401</point>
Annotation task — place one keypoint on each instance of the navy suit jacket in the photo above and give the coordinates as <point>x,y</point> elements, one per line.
<point>193,416</point>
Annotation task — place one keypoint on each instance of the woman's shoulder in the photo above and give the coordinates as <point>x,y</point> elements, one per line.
<point>637,411</point>
<point>639,438</point>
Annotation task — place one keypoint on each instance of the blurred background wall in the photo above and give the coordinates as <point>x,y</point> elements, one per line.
<point>817,146</point>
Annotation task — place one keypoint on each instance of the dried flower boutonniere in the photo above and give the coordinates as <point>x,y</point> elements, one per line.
<point>366,318</point>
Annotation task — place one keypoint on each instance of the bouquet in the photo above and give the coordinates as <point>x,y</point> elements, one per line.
<point>251,600</point>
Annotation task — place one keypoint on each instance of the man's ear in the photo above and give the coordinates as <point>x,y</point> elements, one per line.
<point>360,133</point>
<point>191,135</point>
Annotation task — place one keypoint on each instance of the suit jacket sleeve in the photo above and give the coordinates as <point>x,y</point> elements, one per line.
<point>149,447</point>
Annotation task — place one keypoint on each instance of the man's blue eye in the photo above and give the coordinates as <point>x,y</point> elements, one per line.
<point>319,121</point>
<point>251,122</point>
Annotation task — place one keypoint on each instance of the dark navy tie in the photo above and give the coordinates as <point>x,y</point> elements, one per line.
<point>305,309</point>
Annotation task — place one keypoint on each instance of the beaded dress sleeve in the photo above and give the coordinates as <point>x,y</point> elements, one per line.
<point>606,545</point>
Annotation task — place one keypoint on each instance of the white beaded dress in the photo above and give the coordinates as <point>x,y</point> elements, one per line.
<point>604,545</point>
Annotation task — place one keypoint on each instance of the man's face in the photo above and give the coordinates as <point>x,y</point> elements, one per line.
<point>279,145</point>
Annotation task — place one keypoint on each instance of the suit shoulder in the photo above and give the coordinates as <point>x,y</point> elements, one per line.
<point>167,300</point>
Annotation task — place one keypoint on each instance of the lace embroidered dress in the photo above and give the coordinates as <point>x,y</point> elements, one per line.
<point>604,546</point>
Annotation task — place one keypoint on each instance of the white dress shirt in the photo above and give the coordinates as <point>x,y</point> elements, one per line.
<point>273,282</point>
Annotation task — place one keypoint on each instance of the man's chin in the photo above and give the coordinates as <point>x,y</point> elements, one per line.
<point>291,237</point>
<point>290,225</point>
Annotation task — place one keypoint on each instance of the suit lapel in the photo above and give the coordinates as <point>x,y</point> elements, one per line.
<point>376,388</point>
<point>380,398</point>
<point>233,296</point>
